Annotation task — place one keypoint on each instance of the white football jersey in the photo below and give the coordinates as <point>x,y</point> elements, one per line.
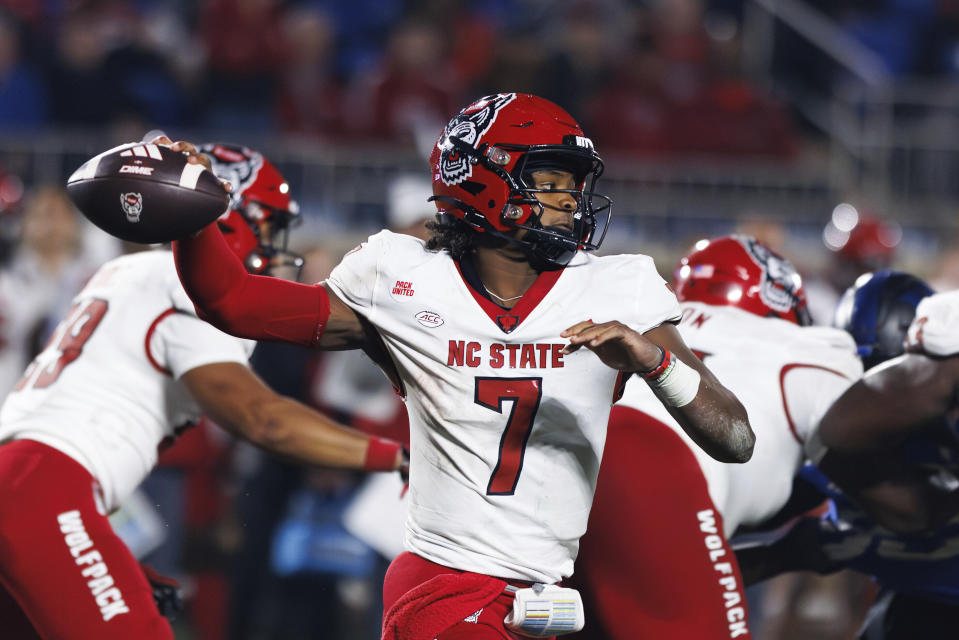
<point>933,330</point>
<point>106,389</point>
<point>506,431</point>
<point>786,376</point>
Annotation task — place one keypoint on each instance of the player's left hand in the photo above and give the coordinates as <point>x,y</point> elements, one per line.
<point>617,345</point>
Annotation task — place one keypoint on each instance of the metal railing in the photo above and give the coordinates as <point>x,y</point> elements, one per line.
<point>347,184</point>
<point>893,142</point>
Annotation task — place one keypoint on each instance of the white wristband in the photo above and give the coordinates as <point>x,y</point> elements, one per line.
<point>678,385</point>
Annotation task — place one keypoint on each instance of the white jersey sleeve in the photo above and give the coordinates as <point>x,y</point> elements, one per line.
<point>657,303</point>
<point>933,330</point>
<point>812,384</point>
<point>183,342</point>
<point>356,277</point>
<point>784,375</point>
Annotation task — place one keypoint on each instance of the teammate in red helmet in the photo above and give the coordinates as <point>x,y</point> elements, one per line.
<point>858,243</point>
<point>261,213</point>
<point>509,340</point>
<point>744,313</point>
<point>128,368</point>
<point>739,271</point>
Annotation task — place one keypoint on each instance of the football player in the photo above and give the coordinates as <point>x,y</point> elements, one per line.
<point>903,475</point>
<point>127,369</point>
<point>482,329</point>
<point>890,453</point>
<point>655,557</point>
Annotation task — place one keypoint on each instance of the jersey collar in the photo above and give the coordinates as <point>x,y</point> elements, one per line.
<point>507,319</point>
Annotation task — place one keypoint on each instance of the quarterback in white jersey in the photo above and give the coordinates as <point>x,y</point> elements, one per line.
<point>483,329</point>
<point>128,367</point>
<point>742,307</point>
<point>496,413</point>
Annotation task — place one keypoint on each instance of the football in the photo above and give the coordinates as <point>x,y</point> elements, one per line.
<point>147,193</point>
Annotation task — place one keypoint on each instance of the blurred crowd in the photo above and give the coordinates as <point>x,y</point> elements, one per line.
<point>653,76</point>
<point>648,77</point>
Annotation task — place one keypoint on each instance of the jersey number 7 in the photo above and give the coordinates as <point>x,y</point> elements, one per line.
<point>524,394</point>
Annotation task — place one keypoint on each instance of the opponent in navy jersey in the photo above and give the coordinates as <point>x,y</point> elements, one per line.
<point>888,457</point>
<point>483,329</point>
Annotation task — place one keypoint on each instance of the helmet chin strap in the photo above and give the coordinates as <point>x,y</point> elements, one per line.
<point>547,252</point>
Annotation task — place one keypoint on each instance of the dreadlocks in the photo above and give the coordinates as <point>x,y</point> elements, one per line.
<point>453,235</point>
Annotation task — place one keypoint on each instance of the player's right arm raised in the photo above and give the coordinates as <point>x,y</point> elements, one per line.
<point>260,307</point>
<point>251,306</point>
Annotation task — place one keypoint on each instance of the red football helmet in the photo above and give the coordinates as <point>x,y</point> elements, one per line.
<point>740,271</point>
<point>870,244</point>
<point>481,165</point>
<point>257,224</point>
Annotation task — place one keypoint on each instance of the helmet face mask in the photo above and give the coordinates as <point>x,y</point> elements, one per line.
<point>482,165</point>
<point>877,311</point>
<point>261,213</point>
<point>740,271</point>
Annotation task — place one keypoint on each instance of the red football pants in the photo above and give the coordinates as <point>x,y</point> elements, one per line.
<point>59,558</point>
<point>654,562</point>
<point>408,571</point>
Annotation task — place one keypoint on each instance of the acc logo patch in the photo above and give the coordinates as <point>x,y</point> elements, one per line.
<point>132,204</point>
<point>429,319</point>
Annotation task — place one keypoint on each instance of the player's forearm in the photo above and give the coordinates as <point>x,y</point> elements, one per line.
<point>292,430</point>
<point>209,271</point>
<point>717,422</point>
<point>709,412</point>
<point>245,305</point>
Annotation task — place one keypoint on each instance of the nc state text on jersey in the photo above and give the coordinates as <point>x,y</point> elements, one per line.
<point>513,356</point>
